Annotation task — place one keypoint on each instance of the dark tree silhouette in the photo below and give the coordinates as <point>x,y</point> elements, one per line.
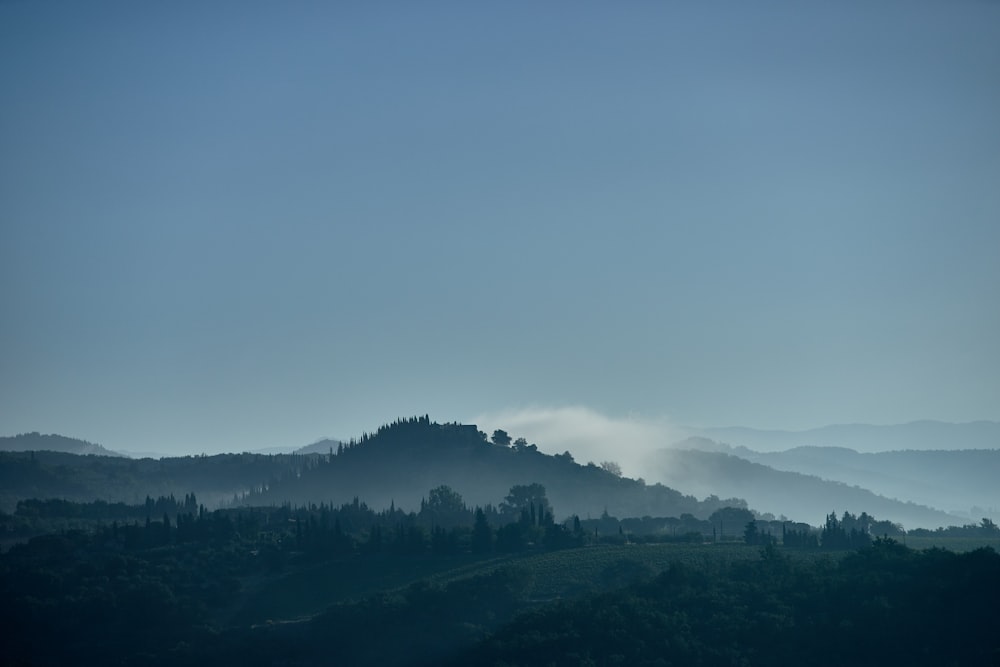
<point>482,534</point>
<point>500,437</point>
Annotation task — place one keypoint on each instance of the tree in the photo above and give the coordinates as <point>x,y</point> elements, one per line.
<point>482,534</point>
<point>444,507</point>
<point>833,536</point>
<point>500,437</point>
<point>512,537</point>
<point>523,497</point>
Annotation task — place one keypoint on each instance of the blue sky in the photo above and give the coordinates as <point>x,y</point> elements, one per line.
<point>232,225</point>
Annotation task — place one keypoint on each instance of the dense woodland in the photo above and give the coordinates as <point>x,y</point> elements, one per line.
<point>183,589</point>
<point>884,604</point>
<point>166,580</point>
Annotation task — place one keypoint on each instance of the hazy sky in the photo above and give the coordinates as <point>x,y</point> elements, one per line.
<point>232,225</point>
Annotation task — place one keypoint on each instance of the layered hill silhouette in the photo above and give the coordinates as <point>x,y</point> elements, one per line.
<point>924,435</point>
<point>401,462</point>
<point>35,441</point>
<point>699,467</point>
<point>947,466</point>
<point>320,447</point>
<point>397,465</point>
<point>956,481</point>
<point>214,479</point>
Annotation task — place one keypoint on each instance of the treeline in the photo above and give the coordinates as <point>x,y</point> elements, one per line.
<point>100,510</point>
<point>215,479</point>
<point>848,532</point>
<point>984,529</point>
<point>730,524</point>
<point>152,590</point>
<point>444,525</point>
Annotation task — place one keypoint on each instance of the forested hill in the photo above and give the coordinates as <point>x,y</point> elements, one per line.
<point>215,479</point>
<point>35,441</point>
<point>401,461</point>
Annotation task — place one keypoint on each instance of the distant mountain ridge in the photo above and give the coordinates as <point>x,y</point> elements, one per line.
<point>35,441</point>
<point>953,480</point>
<point>926,434</point>
<point>800,497</point>
<point>323,446</point>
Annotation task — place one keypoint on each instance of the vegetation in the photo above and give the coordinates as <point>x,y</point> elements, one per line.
<point>165,581</point>
<point>215,587</point>
<point>489,585</point>
<point>396,466</point>
<point>885,604</point>
<point>114,479</point>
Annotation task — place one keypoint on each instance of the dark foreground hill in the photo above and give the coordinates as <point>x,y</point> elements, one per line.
<point>96,598</point>
<point>885,605</point>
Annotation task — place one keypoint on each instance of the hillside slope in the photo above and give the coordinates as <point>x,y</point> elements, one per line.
<point>38,442</point>
<point>953,480</point>
<point>799,497</point>
<point>214,479</point>
<point>401,462</point>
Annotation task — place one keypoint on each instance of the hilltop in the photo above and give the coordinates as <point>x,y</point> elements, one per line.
<point>35,441</point>
<point>401,461</point>
<point>395,466</point>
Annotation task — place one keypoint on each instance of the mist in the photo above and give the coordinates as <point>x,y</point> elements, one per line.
<point>587,434</point>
